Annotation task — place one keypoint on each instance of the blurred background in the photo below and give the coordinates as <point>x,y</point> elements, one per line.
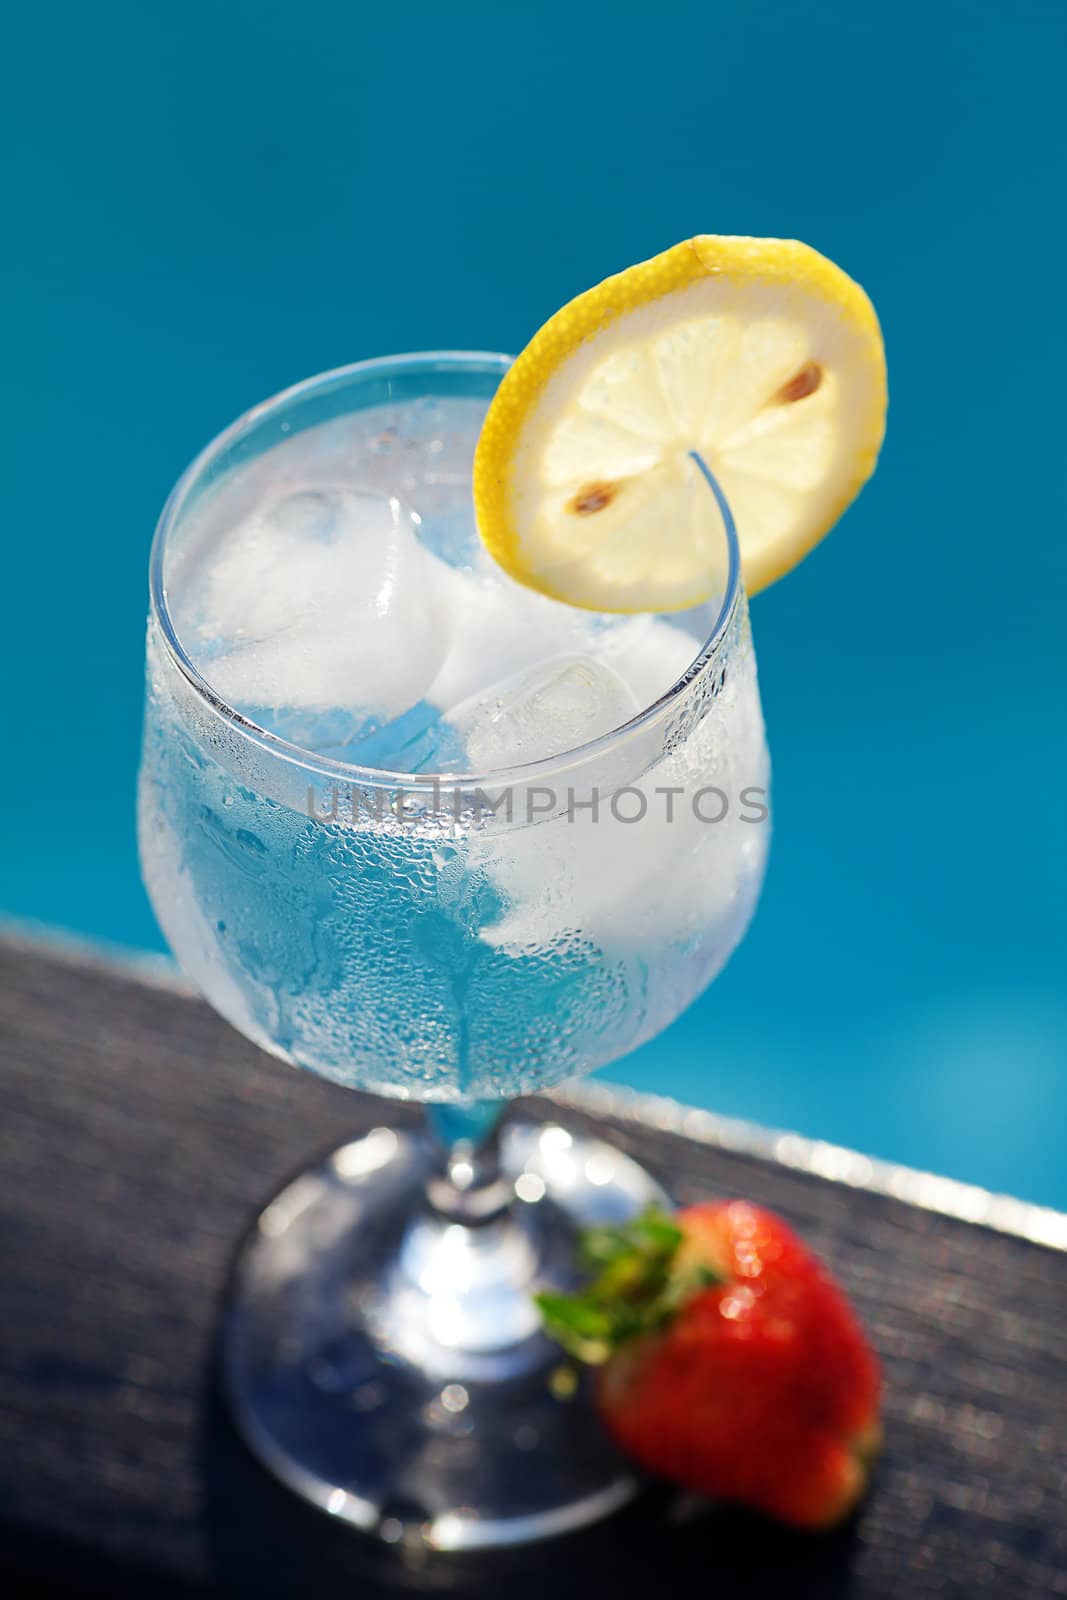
<point>205,203</point>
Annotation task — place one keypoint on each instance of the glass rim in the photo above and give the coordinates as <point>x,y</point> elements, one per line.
<point>379,777</point>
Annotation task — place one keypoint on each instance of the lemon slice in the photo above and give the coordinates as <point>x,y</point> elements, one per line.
<point>760,354</point>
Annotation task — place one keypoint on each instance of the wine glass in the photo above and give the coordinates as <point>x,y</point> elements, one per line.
<point>441,935</point>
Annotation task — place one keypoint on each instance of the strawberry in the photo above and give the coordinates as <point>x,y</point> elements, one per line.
<point>730,1361</point>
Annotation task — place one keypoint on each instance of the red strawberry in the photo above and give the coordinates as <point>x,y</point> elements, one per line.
<point>731,1361</point>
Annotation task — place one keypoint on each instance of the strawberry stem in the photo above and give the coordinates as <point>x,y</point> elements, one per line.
<point>635,1287</point>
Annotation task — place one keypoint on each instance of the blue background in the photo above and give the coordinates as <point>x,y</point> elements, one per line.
<point>204,203</point>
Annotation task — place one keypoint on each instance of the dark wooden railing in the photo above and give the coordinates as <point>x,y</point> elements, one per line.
<point>139,1135</point>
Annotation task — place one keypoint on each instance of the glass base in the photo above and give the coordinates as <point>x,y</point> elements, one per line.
<point>387,1363</point>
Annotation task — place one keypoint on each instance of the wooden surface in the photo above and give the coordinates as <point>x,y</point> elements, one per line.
<point>140,1135</point>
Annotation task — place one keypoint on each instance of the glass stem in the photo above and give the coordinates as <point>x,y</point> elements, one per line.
<point>468,1186</point>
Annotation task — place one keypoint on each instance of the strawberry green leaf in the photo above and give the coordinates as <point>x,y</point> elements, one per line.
<point>652,1234</point>
<point>581,1326</point>
<point>636,1287</point>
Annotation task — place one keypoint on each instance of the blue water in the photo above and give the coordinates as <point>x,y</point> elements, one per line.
<point>207,203</point>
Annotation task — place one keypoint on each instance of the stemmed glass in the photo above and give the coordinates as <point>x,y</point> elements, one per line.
<point>454,939</point>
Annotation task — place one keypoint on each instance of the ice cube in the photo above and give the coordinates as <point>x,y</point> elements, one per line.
<point>649,654</point>
<point>541,712</point>
<point>649,869</point>
<point>499,628</point>
<point>324,599</point>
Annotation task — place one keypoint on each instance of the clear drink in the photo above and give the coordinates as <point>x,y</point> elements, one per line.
<point>427,833</point>
<point>429,946</point>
